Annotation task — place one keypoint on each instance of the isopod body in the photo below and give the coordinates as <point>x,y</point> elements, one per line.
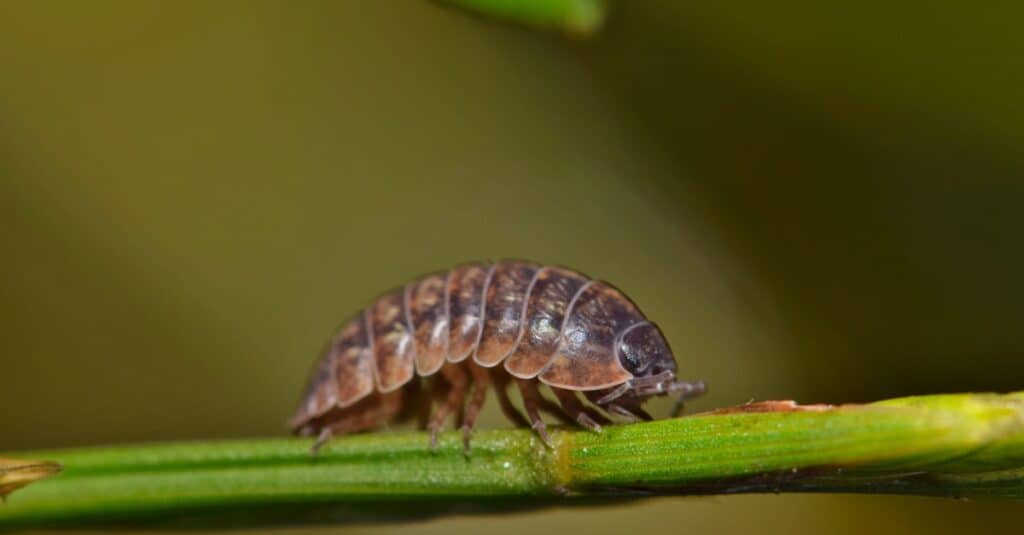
<point>481,324</point>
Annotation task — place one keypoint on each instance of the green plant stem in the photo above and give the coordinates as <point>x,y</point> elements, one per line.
<point>573,16</point>
<point>949,445</point>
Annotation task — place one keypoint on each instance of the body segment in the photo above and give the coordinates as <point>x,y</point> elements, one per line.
<point>549,299</point>
<point>506,311</point>
<point>392,342</point>
<point>466,291</point>
<point>426,306</point>
<point>586,358</point>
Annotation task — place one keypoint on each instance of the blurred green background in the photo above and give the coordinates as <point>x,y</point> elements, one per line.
<point>815,201</point>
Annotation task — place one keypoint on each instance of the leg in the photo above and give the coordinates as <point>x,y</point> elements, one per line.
<point>458,383</point>
<point>361,418</point>
<point>531,402</point>
<point>628,408</point>
<point>510,411</point>
<point>553,409</point>
<point>678,407</point>
<point>423,412</point>
<point>634,414</point>
<point>575,409</point>
<point>481,381</point>
<point>507,408</point>
<point>417,404</point>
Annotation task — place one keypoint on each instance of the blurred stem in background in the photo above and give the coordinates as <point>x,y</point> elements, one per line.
<point>945,445</point>
<point>582,17</point>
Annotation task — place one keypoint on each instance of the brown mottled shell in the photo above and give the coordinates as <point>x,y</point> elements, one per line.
<point>547,323</point>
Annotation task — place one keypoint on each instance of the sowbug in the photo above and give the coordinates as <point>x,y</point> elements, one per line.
<point>480,325</point>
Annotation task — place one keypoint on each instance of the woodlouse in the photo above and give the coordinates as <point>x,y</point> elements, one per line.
<point>481,324</point>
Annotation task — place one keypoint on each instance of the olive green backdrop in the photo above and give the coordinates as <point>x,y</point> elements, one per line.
<point>815,201</point>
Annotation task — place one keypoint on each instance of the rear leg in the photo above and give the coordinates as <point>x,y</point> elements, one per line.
<point>361,418</point>
<point>458,383</point>
<point>481,381</point>
<point>575,409</point>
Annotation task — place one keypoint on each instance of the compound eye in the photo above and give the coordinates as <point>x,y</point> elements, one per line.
<point>643,351</point>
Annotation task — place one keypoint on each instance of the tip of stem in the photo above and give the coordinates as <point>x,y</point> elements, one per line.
<point>15,473</point>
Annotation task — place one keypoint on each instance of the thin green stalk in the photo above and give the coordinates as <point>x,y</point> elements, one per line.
<point>949,445</point>
<point>580,17</point>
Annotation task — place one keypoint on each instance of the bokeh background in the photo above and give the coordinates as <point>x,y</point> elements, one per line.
<point>816,201</point>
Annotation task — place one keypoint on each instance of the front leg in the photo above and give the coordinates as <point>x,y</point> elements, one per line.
<point>634,414</point>
<point>574,408</point>
<point>532,402</point>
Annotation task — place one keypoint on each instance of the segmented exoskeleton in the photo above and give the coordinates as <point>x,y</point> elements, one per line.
<point>481,324</point>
